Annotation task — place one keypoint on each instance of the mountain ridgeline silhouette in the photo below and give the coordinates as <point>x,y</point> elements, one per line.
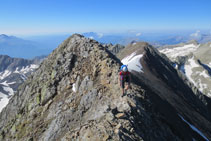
<point>75,95</point>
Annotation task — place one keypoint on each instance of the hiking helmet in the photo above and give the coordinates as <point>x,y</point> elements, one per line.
<point>124,68</point>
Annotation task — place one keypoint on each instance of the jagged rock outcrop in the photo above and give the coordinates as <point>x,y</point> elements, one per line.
<point>75,95</point>
<point>115,49</point>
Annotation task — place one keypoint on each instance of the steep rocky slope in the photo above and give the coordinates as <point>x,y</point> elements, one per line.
<point>155,72</point>
<point>194,61</point>
<point>75,95</point>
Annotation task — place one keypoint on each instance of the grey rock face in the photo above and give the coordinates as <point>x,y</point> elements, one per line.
<point>115,49</point>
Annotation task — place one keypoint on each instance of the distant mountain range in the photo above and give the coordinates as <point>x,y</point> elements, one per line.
<point>154,39</point>
<point>43,45</point>
<point>17,47</point>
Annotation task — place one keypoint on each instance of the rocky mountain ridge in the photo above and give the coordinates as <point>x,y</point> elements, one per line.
<point>75,95</point>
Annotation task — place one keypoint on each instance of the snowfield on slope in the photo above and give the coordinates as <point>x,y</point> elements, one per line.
<point>26,69</point>
<point>179,51</point>
<point>133,62</point>
<point>3,100</point>
<point>189,69</point>
<point>4,74</point>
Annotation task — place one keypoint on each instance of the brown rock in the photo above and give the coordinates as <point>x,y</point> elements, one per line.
<point>120,115</point>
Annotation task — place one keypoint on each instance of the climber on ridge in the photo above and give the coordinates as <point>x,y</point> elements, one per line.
<point>124,77</point>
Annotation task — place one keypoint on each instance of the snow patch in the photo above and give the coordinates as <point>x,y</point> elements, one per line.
<point>26,69</point>
<point>9,90</point>
<point>33,66</point>
<point>3,100</point>
<point>74,88</point>
<point>128,58</point>
<point>5,83</point>
<point>209,94</point>
<point>4,74</point>
<point>202,86</point>
<point>209,64</point>
<point>204,74</point>
<point>133,62</point>
<point>188,69</point>
<point>134,44</point>
<point>11,83</point>
<point>193,63</point>
<point>194,128</point>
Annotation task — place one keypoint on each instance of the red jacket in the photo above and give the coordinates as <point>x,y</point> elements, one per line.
<point>124,74</point>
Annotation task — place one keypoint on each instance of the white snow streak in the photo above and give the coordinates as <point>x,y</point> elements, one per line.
<point>74,88</point>
<point>133,62</point>
<point>128,58</point>
<point>26,69</point>
<point>203,73</point>
<point>9,90</point>
<point>209,64</point>
<point>188,69</point>
<point>134,44</point>
<point>194,128</point>
<point>4,74</point>
<point>193,63</point>
<point>5,83</point>
<point>3,100</point>
<point>202,86</point>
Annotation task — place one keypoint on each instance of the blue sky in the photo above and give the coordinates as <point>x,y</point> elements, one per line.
<point>65,16</point>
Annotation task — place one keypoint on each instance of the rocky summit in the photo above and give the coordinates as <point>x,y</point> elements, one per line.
<point>75,95</point>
